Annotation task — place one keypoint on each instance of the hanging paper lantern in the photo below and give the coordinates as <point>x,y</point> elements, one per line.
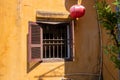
<point>77,11</point>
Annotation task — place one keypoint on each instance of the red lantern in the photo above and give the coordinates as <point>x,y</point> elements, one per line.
<point>77,11</point>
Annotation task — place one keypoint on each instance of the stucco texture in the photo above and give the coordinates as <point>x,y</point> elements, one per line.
<point>16,14</point>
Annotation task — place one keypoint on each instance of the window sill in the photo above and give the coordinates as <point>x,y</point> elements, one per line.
<point>56,60</point>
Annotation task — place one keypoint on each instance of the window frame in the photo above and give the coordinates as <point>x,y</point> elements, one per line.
<point>70,43</point>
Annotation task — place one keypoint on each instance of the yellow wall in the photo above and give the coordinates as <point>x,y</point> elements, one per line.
<point>15,15</point>
<point>10,45</point>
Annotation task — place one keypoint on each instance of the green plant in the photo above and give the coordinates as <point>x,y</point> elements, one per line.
<point>109,20</point>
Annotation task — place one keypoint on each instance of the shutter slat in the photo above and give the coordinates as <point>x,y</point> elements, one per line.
<point>35,52</point>
<point>35,34</point>
<point>35,42</point>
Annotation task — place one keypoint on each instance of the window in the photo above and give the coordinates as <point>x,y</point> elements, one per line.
<point>50,40</point>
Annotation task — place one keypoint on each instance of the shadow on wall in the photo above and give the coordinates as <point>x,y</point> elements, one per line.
<point>86,65</point>
<point>55,73</point>
<point>69,3</point>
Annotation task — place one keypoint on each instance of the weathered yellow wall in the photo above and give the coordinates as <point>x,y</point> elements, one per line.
<point>10,43</point>
<point>15,15</point>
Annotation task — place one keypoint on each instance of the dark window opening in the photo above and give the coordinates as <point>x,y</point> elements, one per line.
<point>55,41</point>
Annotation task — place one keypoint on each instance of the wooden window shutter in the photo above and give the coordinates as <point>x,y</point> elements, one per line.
<point>72,39</point>
<point>35,42</point>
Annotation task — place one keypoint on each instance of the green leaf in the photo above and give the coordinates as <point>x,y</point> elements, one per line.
<point>116,3</point>
<point>113,58</point>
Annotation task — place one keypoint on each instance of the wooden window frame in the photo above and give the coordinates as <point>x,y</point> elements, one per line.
<point>70,35</point>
